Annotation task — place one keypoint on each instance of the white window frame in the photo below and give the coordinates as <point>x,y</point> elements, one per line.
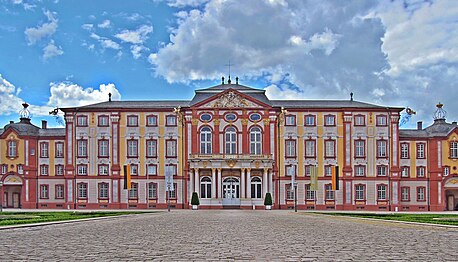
<point>206,140</point>
<point>230,141</point>
<point>255,141</point>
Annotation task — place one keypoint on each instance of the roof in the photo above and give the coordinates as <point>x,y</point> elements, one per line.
<point>412,133</point>
<point>134,104</point>
<point>51,132</point>
<point>1,131</point>
<point>438,128</point>
<point>26,128</point>
<point>327,104</point>
<point>203,94</point>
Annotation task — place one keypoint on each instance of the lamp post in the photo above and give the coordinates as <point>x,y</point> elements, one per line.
<point>1,197</point>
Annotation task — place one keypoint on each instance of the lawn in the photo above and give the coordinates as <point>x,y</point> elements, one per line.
<point>16,218</point>
<point>443,219</point>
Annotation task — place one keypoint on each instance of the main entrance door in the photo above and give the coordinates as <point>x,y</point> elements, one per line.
<point>231,191</point>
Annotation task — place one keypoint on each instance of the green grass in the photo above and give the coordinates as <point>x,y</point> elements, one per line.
<point>16,218</point>
<point>443,219</point>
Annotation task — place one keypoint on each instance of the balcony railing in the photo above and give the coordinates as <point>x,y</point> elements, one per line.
<point>224,156</point>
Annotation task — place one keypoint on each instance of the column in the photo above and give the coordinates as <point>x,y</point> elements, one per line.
<point>196,180</point>
<point>270,182</point>
<point>242,183</point>
<point>213,182</point>
<point>219,183</point>
<point>264,182</point>
<point>248,179</point>
<point>191,185</point>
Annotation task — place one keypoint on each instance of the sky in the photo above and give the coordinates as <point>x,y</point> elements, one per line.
<point>74,52</point>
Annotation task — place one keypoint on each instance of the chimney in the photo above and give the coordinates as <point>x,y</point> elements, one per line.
<point>237,80</point>
<point>109,97</point>
<point>222,80</point>
<point>11,122</point>
<point>419,125</point>
<point>44,124</point>
<point>454,123</point>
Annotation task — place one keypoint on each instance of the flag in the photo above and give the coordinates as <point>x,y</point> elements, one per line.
<point>127,184</point>
<point>313,178</point>
<point>335,178</point>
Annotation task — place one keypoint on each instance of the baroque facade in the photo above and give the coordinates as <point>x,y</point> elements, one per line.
<point>231,145</point>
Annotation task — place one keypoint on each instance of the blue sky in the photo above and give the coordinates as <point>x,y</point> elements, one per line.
<point>70,53</point>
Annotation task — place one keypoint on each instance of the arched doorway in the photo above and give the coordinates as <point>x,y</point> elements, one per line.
<point>11,191</point>
<point>231,191</point>
<point>451,194</point>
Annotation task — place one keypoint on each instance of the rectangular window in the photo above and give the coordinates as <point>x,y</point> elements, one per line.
<point>405,171</point>
<point>360,192</point>
<point>453,149</point>
<point>151,120</point>
<point>133,169</point>
<point>171,120</point>
<point>4,169</point>
<point>82,170</point>
<point>104,148</point>
<point>310,148</point>
<point>151,148</point>
<point>290,120</point>
<point>290,170</point>
<point>59,148</point>
<point>103,120</point>
<point>82,190</point>
<point>171,169</point>
<point>420,150</point>
<point>308,170</point>
<point>12,149</point>
<point>382,148</point>
<point>151,170</point>
<point>309,193</point>
<point>171,148</point>
<point>382,170</point>
<point>360,148</point>
<point>20,169</point>
<point>329,193</point>
<point>446,170</point>
<point>132,148</point>
<point>44,146</point>
<point>404,150</point>
<point>329,120</point>
<point>405,193</point>
<point>44,191</point>
<point>59,170</point>
<point>310,120</point>
<point>44,170</point>
<point>103,190</point>
<point>132,121</point>
<point>103,170</point>
<point>330,149</point>
<point>173,194</point>
<point>290,148</point>
<point>360,120</point>
<point>360,171</point>
<point>133,191</point>
<point>328,170</point>
<point>421,193</point>
<point>59,192</point>
<point>82,148</point>
<point>421,171</point>
<point>152,190</point>
<point>289,192</point>
<point>381,192</point>
<point>381,121</point>
<point>81,121</point>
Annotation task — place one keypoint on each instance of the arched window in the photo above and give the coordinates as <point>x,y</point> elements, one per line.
<point>256,187</point>
<point>255,141</point>
<point>205,187</point>
<point>231,141</point>
<point>206,140</point>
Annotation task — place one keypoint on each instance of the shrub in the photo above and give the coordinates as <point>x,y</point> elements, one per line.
<point>268,199</point>
<point>195,199</point>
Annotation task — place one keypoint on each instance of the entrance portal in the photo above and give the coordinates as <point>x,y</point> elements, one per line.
<point>231,191</point>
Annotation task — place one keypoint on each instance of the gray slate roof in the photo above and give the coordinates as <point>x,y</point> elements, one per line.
<point>26,128</point>
<point>51,132</point>
<point>438,128</point>
<point>203,94</point>
<point>326,104</point>
<point>134,104</point>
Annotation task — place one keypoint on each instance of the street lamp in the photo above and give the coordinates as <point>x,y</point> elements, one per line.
<point>1,197</point>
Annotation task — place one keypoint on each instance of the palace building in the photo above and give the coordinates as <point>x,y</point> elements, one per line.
<point>231,145</point>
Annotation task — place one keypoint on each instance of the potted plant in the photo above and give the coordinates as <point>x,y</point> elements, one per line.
<point>195,201</point>
<point>268,201</point>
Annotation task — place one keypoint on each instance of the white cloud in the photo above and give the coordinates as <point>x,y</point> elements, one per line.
<point>9,100</point>
<point>137,50</point>
<point>105,42</point>
<point>68,94</point>
<point>87,27</point>
<point>35,34</point>
<point>138,36</point>
<point>186,3</point>
<point>104,24</point>
<point>52,50</point>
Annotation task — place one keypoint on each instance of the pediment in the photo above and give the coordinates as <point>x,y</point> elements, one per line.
<point>231,99</point>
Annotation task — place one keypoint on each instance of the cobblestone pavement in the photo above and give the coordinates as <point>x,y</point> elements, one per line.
<point>230,235</point>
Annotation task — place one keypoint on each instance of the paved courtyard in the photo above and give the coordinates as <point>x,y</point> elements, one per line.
<point>231,235</point>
